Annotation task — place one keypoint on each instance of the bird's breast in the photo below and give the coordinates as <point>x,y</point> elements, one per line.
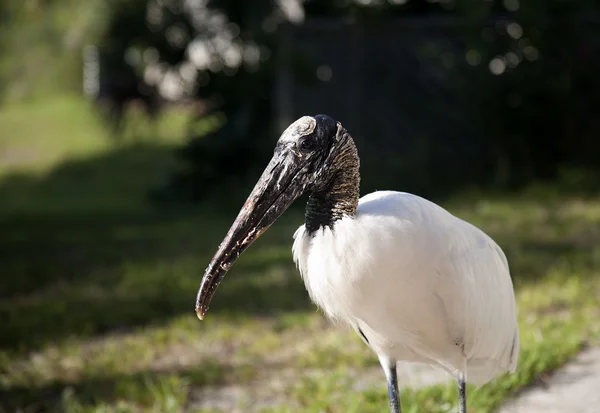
<point>345,267</point>
<point>328,269</point>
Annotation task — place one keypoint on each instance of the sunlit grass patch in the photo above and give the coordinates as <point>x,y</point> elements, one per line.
<point>59,156</point>
<point>37,136</point>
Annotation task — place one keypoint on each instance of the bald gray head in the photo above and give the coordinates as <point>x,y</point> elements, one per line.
<point>315,141</point>
<point>302,127</point>
<point>313,154</point>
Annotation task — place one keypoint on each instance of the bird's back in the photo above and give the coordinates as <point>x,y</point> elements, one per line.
<point>420,283</point>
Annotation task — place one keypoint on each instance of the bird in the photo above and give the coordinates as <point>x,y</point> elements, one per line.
<point>416,283</point>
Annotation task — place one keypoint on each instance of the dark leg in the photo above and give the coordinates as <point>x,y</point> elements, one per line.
<point>462,395</point>
<point>389,367</point>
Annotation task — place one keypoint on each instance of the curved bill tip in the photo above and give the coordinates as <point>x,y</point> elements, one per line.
<point>200,313</point>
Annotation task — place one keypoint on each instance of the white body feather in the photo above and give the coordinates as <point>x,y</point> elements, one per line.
<point>420,283</point>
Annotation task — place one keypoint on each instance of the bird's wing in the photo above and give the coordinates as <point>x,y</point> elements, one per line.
<point>475,286</point>
<point>450,286</point>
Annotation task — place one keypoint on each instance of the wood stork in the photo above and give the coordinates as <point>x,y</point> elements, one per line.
<point>415,282</point>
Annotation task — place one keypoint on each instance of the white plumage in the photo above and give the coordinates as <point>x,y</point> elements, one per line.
<point>421,284</point>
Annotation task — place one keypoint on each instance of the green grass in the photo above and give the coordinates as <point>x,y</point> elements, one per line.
<point>98,288</point>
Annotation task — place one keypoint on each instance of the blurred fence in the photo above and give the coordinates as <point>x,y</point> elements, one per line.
<point>404,88</point>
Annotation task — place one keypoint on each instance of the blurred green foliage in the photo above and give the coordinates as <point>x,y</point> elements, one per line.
<point>537,86</point>
<point>40,44</point>
<point>528,72</point>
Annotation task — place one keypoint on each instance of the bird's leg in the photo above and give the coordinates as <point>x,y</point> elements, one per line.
<point>389,367</point>
<point>462,394</point>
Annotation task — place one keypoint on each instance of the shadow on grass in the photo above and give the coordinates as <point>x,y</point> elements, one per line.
<point>82,252</point>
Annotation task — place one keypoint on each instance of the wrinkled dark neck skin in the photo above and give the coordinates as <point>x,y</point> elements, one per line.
<point>339,196</point>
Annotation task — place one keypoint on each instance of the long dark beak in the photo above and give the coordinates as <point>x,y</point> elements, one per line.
<point>275,191</point>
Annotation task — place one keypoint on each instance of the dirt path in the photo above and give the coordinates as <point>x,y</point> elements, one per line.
<point>260,395</point>
<point>574,388</point>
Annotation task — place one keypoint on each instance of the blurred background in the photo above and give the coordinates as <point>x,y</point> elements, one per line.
<point>132,131</point>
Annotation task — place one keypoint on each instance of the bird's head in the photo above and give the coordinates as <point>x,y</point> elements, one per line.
<point>304,160</point>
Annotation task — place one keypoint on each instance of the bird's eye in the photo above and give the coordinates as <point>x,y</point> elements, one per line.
<point>305,145</point>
